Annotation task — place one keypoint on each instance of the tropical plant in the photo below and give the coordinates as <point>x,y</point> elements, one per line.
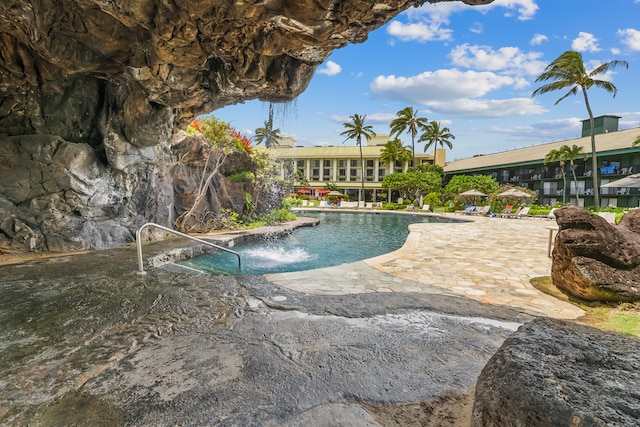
<point>435,135</point>
<point>356,130</point>
<point>267,135</point>
<point>571,154</point>
<point>428,167</point>
<point>568,71</point>
<point>220,136</point>
<point>556,156</point>
<point>460,183</point>
<point>393,151</point>
<point>410,184</point>
<point>636,142</point>
<point>407,120</point>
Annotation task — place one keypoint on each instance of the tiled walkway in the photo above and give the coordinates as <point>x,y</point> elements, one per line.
<point>491,260</point>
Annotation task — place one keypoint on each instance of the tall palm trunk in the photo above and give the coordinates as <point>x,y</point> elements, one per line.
<point>361,195</point>
<point>594,158</point>
<point>413,150</point>
<point>564,184</point>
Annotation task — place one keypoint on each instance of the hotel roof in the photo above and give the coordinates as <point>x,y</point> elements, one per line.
<point>334,152</point>
<point>612,141</point>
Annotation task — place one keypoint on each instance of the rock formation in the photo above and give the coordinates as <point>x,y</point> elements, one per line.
<point>557,373</point>
<point>595,260</point>
<point>92,91</point>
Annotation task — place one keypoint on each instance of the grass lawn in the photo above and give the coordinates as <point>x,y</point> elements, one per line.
<point>623,318</point>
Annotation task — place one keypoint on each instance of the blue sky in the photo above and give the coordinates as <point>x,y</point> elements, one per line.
<point>471,68</point>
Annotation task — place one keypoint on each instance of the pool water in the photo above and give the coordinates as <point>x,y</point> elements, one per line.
<point>339,238</point>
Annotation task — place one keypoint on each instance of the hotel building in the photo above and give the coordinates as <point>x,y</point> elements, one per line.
<point>340,165</point>
<point>525,167</point>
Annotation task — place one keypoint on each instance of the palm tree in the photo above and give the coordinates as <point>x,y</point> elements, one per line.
<point>434,135</point>
<point>356,130</point>
<point>571,154</point>
<point>636,142</point>
<point>392,152</point>
<point>268,134</point>
<point>408,120</point>
<point>556,156</point>
<point>568,71</point>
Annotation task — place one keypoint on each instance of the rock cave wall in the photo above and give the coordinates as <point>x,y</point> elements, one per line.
<point>93,91</point>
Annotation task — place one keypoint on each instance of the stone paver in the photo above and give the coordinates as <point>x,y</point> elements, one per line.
<point>491,260</point>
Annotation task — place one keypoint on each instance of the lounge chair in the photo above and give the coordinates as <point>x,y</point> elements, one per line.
<point>486,210</point>
<point>508,210</point>
<point>522,212</point>
<point>425,207</point>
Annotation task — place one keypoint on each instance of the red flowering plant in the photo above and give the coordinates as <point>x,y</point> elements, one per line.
<point>241,141</point>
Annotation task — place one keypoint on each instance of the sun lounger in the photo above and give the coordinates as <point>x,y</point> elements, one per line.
<point>348,205</point>
<point>485,210</point>
<point>425,207</point>
<point>520,213</point>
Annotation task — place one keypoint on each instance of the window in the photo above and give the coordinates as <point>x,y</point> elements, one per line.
<point>369,172</point>
<point>369,163</point>
<point>326,172</point>
<point>354,163</point>
<point>381,173</point>
<point>354,172</point>
<point>551,188</point>
<point>316,163</point>
<point>327,163</point>
<point>342,163</point>
<point>300,163</point>
<point>342,172</point>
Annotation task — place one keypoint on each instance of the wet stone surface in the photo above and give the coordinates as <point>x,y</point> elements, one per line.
<point>84,339</point>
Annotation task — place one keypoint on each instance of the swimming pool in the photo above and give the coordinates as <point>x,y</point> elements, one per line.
<point>339,238</point>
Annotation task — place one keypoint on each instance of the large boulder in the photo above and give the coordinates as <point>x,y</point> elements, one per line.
<point>111,81</point>
<point>556,373</point>
<point>595,260</point>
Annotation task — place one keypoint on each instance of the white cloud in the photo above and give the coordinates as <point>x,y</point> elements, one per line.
<point>420,31</point>
<point>630,37</point>
<point>526,9</point>
<point>615,51</point>
<point>371,119</point>
<point>477,28</point>
<point>488,108</point>
<point>456,93</point>
<point>330,69</point>
<point>429,21</point>
<point>585,42</point>
<point>538,39</point>
<point>509,59</point>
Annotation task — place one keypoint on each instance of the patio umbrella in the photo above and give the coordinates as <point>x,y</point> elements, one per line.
<point>323,191</point>
<point>627,181</point>
<point>472,193</point>
<point>303,191</point>
<point>334,193</point>
<point>514,192</point>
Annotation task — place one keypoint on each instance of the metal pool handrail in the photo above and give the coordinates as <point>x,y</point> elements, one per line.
<point>169,230</point>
